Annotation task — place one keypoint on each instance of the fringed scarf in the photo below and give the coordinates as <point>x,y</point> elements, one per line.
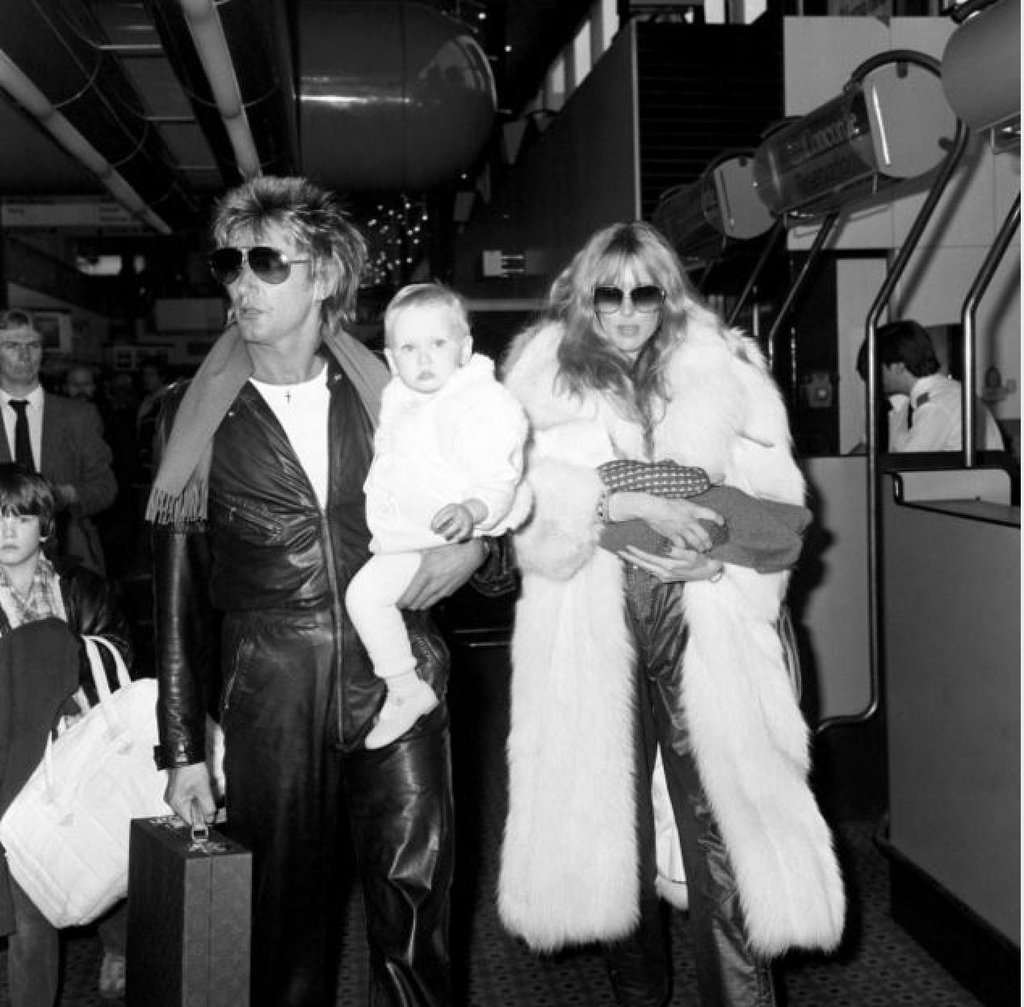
<point>181,484</point>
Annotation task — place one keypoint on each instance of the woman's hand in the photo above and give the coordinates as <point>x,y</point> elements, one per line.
<point>678,520</point>
<point>679,564</point>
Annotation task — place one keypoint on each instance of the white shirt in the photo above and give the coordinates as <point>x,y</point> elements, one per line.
<point>34,412</point>
<point>933,419</point>
<point>302,410</point>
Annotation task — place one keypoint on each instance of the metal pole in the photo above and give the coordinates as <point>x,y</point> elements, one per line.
<point>708,267</point>
<point>970,308</point>
<point>828,225</point>
<point>896,270</point>
<point>773,238</point>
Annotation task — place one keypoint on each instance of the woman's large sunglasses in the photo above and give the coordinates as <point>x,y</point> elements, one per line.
<point>269,264</point>
<point>645,298</point>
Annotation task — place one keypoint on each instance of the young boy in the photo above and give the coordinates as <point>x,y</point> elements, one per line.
<point>32,589</point>
<point>447,466</point>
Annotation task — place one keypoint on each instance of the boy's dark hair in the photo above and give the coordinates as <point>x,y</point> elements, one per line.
<point>26,493</point>
<point>905,342</point>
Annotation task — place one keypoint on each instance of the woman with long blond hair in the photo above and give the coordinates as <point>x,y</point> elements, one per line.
<point>627,661</point>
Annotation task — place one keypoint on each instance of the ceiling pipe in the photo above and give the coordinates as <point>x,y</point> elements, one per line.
<point>56,68</point>
<point>212,47</point>
<point>234,64</point>
<point>260,37</point>
<point>23,91</point>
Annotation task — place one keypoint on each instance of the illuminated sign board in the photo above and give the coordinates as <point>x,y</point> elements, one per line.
<point>890,124</point>
<point>811,163</point>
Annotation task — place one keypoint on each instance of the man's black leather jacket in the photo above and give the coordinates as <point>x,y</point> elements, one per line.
<point>271,566</point>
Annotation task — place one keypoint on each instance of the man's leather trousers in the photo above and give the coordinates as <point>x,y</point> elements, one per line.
<point>290,792</point>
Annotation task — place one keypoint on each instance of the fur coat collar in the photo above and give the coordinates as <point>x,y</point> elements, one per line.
<point>569,859</point>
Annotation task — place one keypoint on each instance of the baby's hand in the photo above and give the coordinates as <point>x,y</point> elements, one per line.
<point>454,522</point>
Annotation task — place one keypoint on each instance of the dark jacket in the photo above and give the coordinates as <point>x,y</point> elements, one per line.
<point>273,568</point>
<point>41,665</point>
<point>74,452</point>
<point>92,610</point>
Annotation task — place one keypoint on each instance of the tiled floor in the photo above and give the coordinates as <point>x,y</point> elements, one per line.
<point>879,965</point>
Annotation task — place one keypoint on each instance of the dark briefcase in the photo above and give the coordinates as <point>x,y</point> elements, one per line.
<point>189,916</point>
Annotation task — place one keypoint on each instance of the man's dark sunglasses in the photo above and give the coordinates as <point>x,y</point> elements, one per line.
<point>645,298</point>
<point>270,264</point>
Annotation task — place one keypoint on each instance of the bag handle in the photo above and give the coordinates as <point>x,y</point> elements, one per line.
<point>99,679</point>
<point>117,729</point>
<point>96,663</point>
<point>200,831</point>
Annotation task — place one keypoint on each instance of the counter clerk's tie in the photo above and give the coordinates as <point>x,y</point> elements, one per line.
<point>22,442</point>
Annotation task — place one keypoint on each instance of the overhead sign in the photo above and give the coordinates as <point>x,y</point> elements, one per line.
<point>816,158</point>
<point>90,214</point>
<point>890,123</point>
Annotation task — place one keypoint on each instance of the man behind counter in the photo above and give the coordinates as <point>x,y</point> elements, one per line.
<point>926,405</point>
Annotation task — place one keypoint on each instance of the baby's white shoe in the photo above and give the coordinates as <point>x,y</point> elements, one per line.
<point>402,708</point>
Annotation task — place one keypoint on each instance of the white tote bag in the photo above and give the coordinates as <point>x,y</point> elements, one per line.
<point>66,832</point>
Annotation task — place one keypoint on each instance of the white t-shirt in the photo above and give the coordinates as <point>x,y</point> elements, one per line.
<point>302,410</point>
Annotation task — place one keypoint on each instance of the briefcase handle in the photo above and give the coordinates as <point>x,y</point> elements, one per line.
<point>200,830</point>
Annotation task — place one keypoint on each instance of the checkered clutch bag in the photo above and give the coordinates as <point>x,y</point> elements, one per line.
<point>663,479</point>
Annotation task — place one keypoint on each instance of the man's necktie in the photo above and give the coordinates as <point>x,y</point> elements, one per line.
<point>22,442</point>
<point>910,415</point>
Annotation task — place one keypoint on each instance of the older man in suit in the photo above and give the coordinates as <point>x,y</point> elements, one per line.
<point>58,437</point>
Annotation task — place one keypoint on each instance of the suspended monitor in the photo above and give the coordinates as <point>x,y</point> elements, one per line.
<point>892,122</point>
<point>981,71</point>
<point>721,206</point>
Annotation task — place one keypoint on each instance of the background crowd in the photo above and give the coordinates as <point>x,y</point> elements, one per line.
<point>128,403</point>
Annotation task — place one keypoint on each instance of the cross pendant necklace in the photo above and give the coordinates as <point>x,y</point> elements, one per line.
<point>288,397</point>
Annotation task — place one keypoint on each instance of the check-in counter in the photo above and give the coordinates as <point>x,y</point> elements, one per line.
<point>950,618</point>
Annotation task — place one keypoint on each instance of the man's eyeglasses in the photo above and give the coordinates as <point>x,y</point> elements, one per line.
<point>270,264</point>
<point>645,298</point>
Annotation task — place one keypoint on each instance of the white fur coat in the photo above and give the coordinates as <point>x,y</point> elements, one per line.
<point>569,858</point>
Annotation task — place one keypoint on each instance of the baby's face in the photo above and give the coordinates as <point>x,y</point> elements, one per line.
<point>427,347</point>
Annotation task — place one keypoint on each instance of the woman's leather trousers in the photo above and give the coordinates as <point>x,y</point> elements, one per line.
<point>728,973</point>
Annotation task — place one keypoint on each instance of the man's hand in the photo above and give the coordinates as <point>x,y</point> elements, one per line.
<point>187,784</point>
<point>442,571</point>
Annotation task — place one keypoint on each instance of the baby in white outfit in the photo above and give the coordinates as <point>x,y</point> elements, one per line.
<point>448,465</point>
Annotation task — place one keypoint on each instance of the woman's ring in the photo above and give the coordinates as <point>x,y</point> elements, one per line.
<point>715,578</point>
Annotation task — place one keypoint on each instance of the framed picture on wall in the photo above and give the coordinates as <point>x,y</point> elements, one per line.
<point>56,330</point>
